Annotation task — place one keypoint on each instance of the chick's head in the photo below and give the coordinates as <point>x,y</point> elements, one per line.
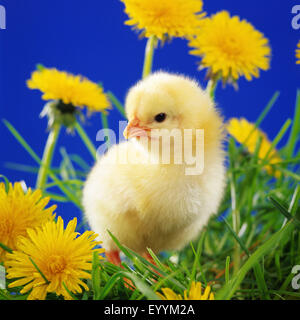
<point>170,101</point>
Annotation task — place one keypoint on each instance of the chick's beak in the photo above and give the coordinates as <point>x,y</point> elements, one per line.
<point>135,129</point>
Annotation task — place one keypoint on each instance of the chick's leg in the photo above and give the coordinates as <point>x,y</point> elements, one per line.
<point>114,257</point>
<point>149,258</point>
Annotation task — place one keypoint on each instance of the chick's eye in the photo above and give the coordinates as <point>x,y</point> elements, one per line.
<point>160,117</point>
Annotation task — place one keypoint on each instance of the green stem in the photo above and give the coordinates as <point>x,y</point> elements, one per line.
<point>236,254</point>
<point>294,135</point>
<point>116,103</point>
<point>36,158</point>
<point>236,228</point>
<point>149,52</point>
<point>228,290</point>
<point>227,269</point>
<point>47,156</point>
<point>211,88</point>
<point>86,140</point>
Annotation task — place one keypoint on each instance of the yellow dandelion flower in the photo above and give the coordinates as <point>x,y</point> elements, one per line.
<point>195,293</point>
<point>246,133</point>
<point>19,211</point>
<point>164,19</point>
<point>169,294</point>
<point>60,254</point>
<point>298,53</point>
<point>71,89</point>
<point>230,48</point>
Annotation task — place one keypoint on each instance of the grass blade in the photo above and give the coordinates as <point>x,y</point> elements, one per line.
<point>237,238</point>
<point>229,289</point>
<point>39,270</point>
<point>197,257</point>
<point>281,208</point>
<point>96,276</point>
<point>109,284</point>
<point>69,292</point>
<point>86,140</point>
<point>267,109</point>
<point>6,181</point>
<point>5,248</point>
<point>295,131</point>
<point>26,146</point>
<point>278,137</point>
<point>227,271</point>
<point>264,114</point>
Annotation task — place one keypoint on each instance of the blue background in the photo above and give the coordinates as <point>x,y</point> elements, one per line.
<point>89,37</point>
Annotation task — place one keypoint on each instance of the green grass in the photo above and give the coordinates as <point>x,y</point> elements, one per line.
<point>253,264</point>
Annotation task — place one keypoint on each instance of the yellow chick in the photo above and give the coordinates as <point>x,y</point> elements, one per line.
<point>145,200</point>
